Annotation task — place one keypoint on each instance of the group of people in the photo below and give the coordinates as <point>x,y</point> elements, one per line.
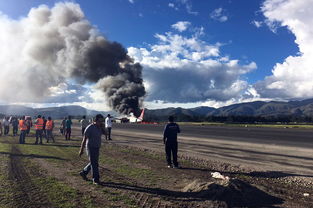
<point>92,132</point>
<point>92,142</point>
<point>43,127</point>
<point>66,127</point>
<point>14,121</point>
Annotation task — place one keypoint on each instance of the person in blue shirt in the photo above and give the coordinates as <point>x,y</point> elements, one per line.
<point>170,140</point>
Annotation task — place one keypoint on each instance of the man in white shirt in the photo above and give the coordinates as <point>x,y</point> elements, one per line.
<point>6,125</point>
<point>108,127</point>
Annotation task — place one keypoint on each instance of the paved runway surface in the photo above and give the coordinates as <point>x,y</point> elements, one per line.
<point>262,149</point>
<point>290,136</point>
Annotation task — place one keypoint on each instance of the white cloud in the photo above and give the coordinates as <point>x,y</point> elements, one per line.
<point>87,105</point>
<point>188,5</point>
<point>66,93</point>
<point>172,5</point>
<point>183,69</point>
<point>258,24</point>
<point>293,77</point>
<point>218,15</point>
<point>181,25</point>
<point>131,1</point>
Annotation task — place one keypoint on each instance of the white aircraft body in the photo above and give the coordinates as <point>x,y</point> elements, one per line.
<point>131,118</point>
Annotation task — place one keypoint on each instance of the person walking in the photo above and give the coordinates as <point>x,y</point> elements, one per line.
<point>108,127</point>
<point>39,128</point>
<point>44,132</point>
<point>6,125</point>
<point>170,140</point>
<point>84,123</point>
<point>62,126</point>
<point>92,143</point>
<point>49,129</point>
<point>68,126</point>
<point>14,123</point>
<point>23,128</point>
<point>29,124</point>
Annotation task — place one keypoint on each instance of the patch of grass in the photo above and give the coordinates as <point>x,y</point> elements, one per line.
<point>58,193</point>
<point>61,195</point>
<point>49,152</point>
<point>134,172</point>
<point>6,193</point>
<point>115,196</point>
<point>144,153</point>
<point>5,147</point>
<point>126,170</point>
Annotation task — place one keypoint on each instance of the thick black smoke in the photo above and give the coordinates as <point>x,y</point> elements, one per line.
<point>52,46</point>
<point>117,75</point>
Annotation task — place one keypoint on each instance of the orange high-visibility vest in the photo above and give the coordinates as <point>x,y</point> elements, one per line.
<point>22,125</point>
<point>49,125</point>
<point>39,124</point>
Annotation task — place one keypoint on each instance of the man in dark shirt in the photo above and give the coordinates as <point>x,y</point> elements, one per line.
<point>92,142</point>
<point>68,128</point>
<point>170,140</point>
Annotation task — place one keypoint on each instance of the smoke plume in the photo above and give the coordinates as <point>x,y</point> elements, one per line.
<point>52,46</point>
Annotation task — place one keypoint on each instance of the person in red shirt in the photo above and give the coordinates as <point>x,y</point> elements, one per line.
<point>39,129</point>
<point>49,129</point>
<point>23,128</point>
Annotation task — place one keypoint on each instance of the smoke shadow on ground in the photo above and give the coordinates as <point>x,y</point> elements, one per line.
<point>31,156</point>
<point>236,194</point>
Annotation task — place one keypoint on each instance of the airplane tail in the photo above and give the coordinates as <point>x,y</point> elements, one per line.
<point>141,115</point>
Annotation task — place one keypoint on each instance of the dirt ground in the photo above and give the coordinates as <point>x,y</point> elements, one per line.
<point>47,176</point>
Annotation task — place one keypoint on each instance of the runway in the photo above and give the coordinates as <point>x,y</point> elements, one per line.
<point>260,149</point>
<point>294,137</point>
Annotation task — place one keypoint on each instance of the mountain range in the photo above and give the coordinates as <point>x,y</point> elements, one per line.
<point>54,112</point>
<point>302,108</point>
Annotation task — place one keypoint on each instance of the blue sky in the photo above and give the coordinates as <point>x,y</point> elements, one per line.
<point>252,41</point>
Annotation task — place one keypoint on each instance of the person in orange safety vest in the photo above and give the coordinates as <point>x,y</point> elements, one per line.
<point>49,129</point>
<point>23,127</point>
<point>39,129</point>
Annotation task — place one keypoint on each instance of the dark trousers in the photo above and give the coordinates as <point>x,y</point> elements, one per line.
<point>83,130</point>
<point>22,136</point>
<point>108,133</point>
<point>49,136</point>
<point>15,128</point>
<point>93,164</point>
<point>68,132</point>
<point>6,130</point>
<point>171,149</point>
<point>44,133</point>
<point>38,136</point>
